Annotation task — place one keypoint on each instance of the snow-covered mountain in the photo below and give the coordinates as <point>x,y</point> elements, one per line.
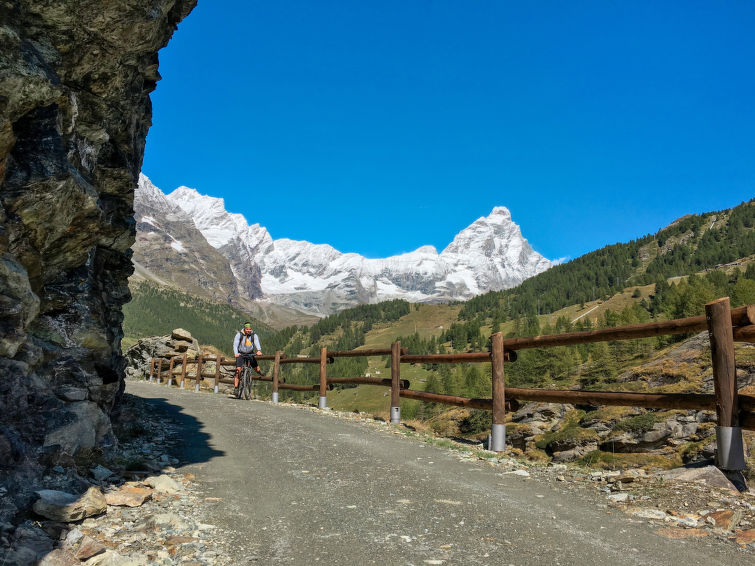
<point>490,254</point>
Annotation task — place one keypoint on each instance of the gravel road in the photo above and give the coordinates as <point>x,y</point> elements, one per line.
<point>301,487</point>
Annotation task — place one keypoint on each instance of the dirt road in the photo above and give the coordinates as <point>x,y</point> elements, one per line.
<point>300,487</point>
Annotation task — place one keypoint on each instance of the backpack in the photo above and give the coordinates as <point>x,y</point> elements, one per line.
<point>245,348</point>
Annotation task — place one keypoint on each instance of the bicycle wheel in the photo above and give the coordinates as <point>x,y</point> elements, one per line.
<point>247,392</point>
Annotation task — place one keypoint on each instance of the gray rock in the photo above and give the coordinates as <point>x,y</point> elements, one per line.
<point>619,497</point>
<point>101,473</point>
<point>88,427</point>
<point>165,484</point>
<point>73,537</point>
<point>575,453</point>
<point>72,393</point>
<point>59,557</point>
<point>654,514</point>
<point>709,475</point>
<point>171,521</point>
<point>66,507</point>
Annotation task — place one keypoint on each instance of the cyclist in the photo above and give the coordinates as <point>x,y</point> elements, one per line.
<point>245,344</point>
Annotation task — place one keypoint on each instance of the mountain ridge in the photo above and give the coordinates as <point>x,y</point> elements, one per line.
<point>490,254</point>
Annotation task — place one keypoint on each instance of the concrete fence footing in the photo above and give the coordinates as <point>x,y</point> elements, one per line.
<point>497,438</point>
<point>395,415</point>
<point>730,448</point>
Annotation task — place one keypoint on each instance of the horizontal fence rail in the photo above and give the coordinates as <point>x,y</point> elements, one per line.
<point>725,325</point>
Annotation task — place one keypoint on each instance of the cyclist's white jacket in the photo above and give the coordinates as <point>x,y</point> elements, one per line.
<point>243,342</point>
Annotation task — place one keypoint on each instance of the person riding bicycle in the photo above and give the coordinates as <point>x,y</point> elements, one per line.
<point>245,344</point>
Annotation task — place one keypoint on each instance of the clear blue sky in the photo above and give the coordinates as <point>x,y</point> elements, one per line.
<point>380,126</point>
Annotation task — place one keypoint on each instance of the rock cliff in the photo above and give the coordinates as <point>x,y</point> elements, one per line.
<point>75,78</point>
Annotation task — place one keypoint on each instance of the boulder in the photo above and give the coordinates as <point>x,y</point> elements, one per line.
<point>181,334</point>
<point>708,475</point>
<point>66,507</point>
<point>88,547</point>
<point>165,484</point>
<point>88,427</point>
<point>128,496</point>
<point>574,453</point>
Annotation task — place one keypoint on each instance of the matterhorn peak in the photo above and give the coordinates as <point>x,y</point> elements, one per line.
<point>500,214</point>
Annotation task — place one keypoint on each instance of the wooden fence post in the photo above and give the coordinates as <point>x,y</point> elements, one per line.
<point>323,404</point>
<point>199,371</point>
<point>159,370</point>
<point>276,370</point>
<point>183,372</point>
<point>396,383</point>
<point>730,449</point>
<point>497,442</point>
<point>170,370</point>
<point>152,368</point>
<point>218,363</point>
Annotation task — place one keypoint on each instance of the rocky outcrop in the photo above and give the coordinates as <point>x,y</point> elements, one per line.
<point>74,113</point>
<point>179,342</point>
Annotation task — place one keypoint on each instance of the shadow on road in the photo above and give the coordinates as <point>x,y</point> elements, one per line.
<point>194,447</point>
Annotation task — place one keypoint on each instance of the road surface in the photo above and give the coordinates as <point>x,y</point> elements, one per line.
<point>300,487</point>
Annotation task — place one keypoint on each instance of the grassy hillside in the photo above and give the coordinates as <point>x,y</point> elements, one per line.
<point>155,311</point>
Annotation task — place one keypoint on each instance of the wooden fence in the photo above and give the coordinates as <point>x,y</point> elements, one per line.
<point>725,325</point>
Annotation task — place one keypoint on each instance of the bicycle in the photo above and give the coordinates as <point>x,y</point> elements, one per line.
<point>245,389</point>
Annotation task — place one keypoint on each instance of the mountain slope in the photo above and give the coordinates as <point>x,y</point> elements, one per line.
<point>170,251</point>
<point>316,278</point>
<point>689,245</point>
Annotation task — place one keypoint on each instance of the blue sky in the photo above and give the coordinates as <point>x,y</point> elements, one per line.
<point>381,126</point>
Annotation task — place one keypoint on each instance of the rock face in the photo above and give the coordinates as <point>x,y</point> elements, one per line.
<point>74,113</point>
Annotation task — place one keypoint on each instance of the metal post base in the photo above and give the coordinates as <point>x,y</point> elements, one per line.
<point>196,388</point>
<point>216,389</point>
<point>497,438</point>
<point>730,449</point>
<point>275,397</point>
<point>323,403</point>
<point>159,380</point>
<point>395,415</point>
<point>182,385</point>
<point>151,379</point>
<point>170,382</point>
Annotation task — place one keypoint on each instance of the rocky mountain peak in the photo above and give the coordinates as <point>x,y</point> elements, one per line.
<point>490,254</point>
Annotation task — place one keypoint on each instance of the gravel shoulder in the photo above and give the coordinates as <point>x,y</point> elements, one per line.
<point>289,483</point>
